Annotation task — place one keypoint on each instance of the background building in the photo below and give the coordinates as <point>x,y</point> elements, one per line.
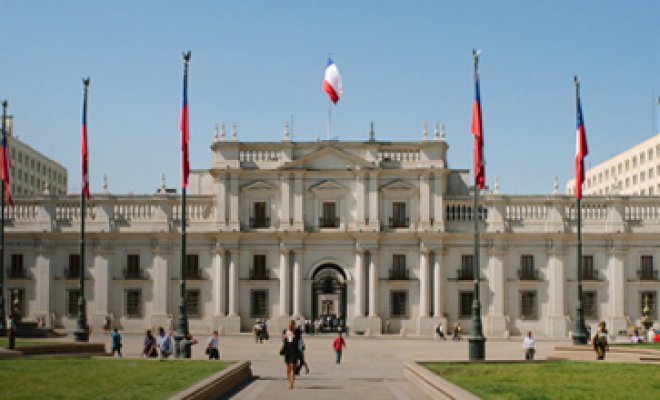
<point>635,172</point>
<point>31,170</point>
<point>370,232</point>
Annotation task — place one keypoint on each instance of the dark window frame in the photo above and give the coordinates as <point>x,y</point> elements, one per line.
<point>465,300</point>
<point>399,306</point>
<point>259,303</point>
<point>193,303</point>
<point>527,298</point>
<point>133,308</point>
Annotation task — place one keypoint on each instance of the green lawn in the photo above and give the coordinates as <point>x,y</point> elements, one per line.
<point>89,378</point>
<point>654,346</point>
<point>553,380</point>
<point>28,342</point>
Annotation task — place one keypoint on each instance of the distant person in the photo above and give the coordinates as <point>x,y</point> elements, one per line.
<point>115,342</point>
<point>164,343</point>
<point>301,354</point>
<point>187,343</point>
<point>11,331</point>
<point>150,345</point>
<point>529,345</point>
<point>338,344</point>
<point>599,341</point>
<point>212,347</point>
<point>169,325</point>
<point>290,352</point>
<point>636,338</point>
<point>256,329</point>
<point>439,331</point>
<point>457,332</point>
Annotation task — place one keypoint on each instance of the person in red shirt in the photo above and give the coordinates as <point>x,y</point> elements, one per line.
<point>338,345</point>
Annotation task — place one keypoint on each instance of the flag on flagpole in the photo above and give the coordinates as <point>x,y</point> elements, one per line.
<point>332,84</point>
<point>84,152</point>
<point>185,135</point>
<point>477,131</point>
<point>6,162</point>
<point>581,149</point>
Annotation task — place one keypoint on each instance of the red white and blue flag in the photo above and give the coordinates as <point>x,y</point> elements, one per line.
<point>332,82</point>
<point>84,151</point>
<point>185,135</point>
<point>6,163</point>
<point>477,131</point>
<point>581,150</point>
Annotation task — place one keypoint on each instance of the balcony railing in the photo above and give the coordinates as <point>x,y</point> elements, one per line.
<point>194,275</point>
<point>399,222</point>
<point>16,273</point>
<point>647,275</point>
<point>590,275</point>
<point>328,222</point>
<point>464,275</point>
<point>399,274</point>
<point>527,274</point>
<point>133,274</point>
<point>259,223</point>
<point>70,273</point>
<point>259,274</point>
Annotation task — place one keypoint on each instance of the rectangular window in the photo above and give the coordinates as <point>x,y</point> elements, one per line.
<point>646,268</point>
<point>17,296</point>
<point>590,304</point>
<point>259,304</point>
<point>588,272</point>
<point>260,220</point>
<point>467,267</point>
<point>16,270</point>
<point>399,303</point>
<point>193,303</point>
<point>72,296</point>
<point>259,267</point>
<point>73,272</point>
<point>649,298</point>
<point>329,215</point>
<point>528,305</point>
<point>398,266</point>
<point>465,304</point>
<point>133,303</point>
<point>650,172</point>
<point>527,267</point>
<point>192,267</point>
<point>132,266</point>
<point>399,219</point>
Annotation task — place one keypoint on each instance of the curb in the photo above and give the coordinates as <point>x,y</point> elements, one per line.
<point>432,384</point>
<point>219,384</point>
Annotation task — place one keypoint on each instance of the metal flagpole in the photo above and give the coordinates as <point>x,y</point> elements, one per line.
<point>81,333</point>
<point>3,326</point>
<point>329,119</point>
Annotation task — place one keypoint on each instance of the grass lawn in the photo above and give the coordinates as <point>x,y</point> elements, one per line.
<point>553,380</point>
<point>89,378</point>
<point>4,342</point>
<point>653,346</point>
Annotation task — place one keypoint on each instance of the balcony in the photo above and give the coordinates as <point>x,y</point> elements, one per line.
<point>257,274</point>
<point>464,275</point>
<point>16,273</point>
<point>131,274</point>
<point>328,222</point>
<point>399,222</point>
<point>399,274</point>
<point>647,275</point>
<point>193,275</point>
<point>71,273</point>
<point>590,275</point>
<point>259,223</point>
<point>528,274</point>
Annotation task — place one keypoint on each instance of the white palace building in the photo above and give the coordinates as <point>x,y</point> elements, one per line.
<point>376,233</point>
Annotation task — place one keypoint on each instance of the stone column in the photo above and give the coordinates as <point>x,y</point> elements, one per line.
<point>234,219</point>
<point>284,281</point>
<point>102,280</point>
<point>220,199</point>
<point>438,206</point>
<point>557,320</point>
<point>285,195</point>
<point>43,283</point>
<point>438,284</point>
<point>298,202</point>
<point>233,282</point>
<point>424,201</point>
<point>373,283</point>
<point>424,282</point>
<point>359,200</point>
<point>374,211</point>
<point>617,320</point>
<point>496,319</point>
<point>359,282</point>
<point>297,284</point>
<point>219,282</point>
<point>161,284</point>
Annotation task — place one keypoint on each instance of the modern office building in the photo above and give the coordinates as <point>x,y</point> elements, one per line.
<point>634,172</point>
<point>33,173</point>
<point>375,233</point>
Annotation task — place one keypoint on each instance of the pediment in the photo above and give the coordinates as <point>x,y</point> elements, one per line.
<point>329,158</point>
<point>398,185</point>
<point>328,186</point>
<point>258,185</point>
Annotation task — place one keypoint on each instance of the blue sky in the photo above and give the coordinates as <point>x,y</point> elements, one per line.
<point>257,63</point>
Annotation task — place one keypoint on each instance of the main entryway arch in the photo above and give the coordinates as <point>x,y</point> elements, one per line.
<point>329,295</point>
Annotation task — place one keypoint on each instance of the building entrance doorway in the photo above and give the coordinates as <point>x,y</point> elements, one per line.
<point>329,297</point>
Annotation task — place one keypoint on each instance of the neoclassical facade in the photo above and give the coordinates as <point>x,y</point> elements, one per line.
<point>376,233</point>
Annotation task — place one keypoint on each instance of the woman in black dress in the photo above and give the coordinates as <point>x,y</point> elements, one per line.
<point>290,347</point>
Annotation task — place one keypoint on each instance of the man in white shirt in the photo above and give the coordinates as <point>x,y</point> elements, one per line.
<point>529,345</point>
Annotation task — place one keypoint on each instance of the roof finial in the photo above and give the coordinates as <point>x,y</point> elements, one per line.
<point>234,133</point>
<point>372,132</point>
<point>223,132</point>
<point>496,189</point>
<point>105,183</point>
<point>443,135</point>
<point>163,184</point>
<point>555,186</point>
<point>216,135</point>
<point>425,132</point>
<point>436,131</point>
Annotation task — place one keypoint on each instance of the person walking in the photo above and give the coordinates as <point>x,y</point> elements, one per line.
<point>599,341</point>
<point>150,345</point>
<point>439,331</point>
<point>301,354</point>
<point>115,342</point>
<point>338,344</point>
<point>164,343</point>
<point>11,332</point>
<point>529,345</point>
<point>290,352</point>
<point>212,347</point>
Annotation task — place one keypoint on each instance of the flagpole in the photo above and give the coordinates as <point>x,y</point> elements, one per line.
<point>2,235</point>
<point>182,320</point>
<point>477,341</point>
<point>81,333</point>
<point>329,119</point>
<point>580,336</point>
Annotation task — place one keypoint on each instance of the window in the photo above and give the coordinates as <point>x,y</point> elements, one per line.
<point>634,179</point>
<point>627,183</point>
<point>17,296</point>
<point>192,267</point>
<point>650,298</point>
<point>646,268</point>
<point>527,271</point>
<point>132,266</point>
<point>329,216</point>
<point>399,219</point>
<point>650,154</point>
<point>642,176</point>
<point>590,304</point>
<point>528,304</point>
<point>618,169</point>
<point>399,303</point>
<point>588,272</point>
<point>467,267</point>
<point>398,267</point>
<point>465,304</point>
<point>193,303</point>
<point>259,304</point>
<point>627,165</point>
<point>634,162</point>
<point>72,296</point>
<point>259,219</point>
<point>133,303</point>
<point>73,272</point>
<point>16,270</point>
<point>650,172</point>
<point>259,267</point>
<point>651,190</point>
<point>641,158</point>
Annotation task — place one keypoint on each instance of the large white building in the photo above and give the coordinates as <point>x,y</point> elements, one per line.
<point>372,232</point>
<point>635,172</point>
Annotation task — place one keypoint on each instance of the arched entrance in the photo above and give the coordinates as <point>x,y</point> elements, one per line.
<point>329,296</point>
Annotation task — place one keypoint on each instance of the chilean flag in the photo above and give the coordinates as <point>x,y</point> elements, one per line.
<point>477,131</point>
<point>332,82</point>
<point>84,152</point>
<point>581,151</point>
<point>6,163</point>
<point>185,135</point>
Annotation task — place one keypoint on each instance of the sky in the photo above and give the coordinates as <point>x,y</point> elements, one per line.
<point>260,64</point>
